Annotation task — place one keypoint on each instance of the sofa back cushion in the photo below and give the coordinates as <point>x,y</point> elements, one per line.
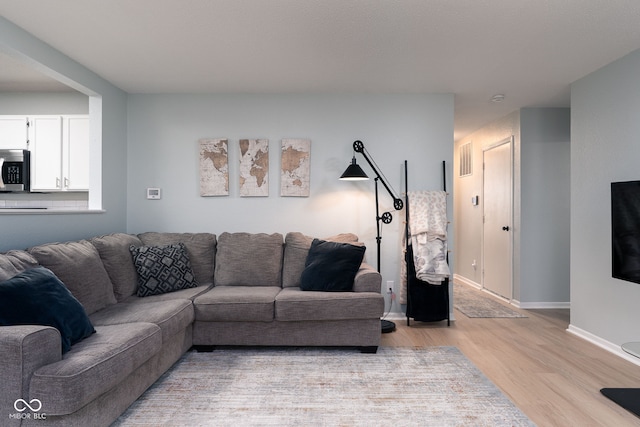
<point>78,266</point>
<point>201,248</point>
<point>15,262</point>
<point>245,259</point>
<point>296,249</point>
<point>116,257</point>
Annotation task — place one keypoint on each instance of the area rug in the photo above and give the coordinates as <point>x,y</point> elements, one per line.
<point>435,386</point>
<point>474,303</point>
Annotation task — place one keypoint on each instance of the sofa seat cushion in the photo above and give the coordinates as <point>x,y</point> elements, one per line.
<point>244,259</point>
<point>237,304</point>
<point>171,316</point>
<point>94,366</point>
<point>188,294</point>
<point>294,304</point>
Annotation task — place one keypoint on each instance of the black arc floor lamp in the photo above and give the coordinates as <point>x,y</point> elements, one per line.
<point>355,173</point>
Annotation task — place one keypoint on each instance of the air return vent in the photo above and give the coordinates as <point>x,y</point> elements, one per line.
<point>466,160</point>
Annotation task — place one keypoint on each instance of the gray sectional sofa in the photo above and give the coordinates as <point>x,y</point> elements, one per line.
<point>245,291</point>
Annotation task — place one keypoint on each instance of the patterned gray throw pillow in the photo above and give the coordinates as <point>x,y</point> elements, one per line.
<point>162,269</point>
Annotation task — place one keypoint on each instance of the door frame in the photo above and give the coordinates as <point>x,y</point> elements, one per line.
<point>509,140</point>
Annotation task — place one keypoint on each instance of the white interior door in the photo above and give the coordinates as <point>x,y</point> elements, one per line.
<point>497,228</point>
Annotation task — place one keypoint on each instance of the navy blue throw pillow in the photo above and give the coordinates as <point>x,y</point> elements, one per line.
<point>37,297</point>
<point>331,266</point>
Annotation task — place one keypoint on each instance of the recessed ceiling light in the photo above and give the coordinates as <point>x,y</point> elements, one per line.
<point>497,98</point>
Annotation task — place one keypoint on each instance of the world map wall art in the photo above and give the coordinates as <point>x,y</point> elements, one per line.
<point>214,167</point>
<point>295,167</point>
<point>253,167</point>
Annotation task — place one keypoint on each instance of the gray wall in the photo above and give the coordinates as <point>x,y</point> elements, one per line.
<point>19,231</point>
<point>163,152</point>
<point>545,202</point>
<point>605,131</point>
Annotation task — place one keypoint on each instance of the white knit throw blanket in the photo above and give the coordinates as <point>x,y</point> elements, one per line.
<point>428,231</point>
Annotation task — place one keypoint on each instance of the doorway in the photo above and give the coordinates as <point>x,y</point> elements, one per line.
<point>497,230</point>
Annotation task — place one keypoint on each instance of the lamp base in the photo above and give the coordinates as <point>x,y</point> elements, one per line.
<point>387,326</point>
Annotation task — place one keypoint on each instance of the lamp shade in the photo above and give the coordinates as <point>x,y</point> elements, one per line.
<point>354,172</point>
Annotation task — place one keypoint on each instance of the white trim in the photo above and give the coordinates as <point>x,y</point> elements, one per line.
<point>50,211</point>
<point>523,305</point>
<point>602,343</point>
<point>510,141</point>
<point>463,280</point>
<point>541,304</point>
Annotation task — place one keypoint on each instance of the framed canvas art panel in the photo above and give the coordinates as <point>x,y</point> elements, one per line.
<point>214,167</point>
<point>295,167</point>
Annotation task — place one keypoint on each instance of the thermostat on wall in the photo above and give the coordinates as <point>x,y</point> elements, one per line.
<point>154,193</point>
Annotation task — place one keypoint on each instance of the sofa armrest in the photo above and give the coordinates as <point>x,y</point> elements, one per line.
<point>367,279</point>
<point>24,349</point>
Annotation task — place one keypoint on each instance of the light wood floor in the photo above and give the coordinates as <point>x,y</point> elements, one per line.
<point>553,376</point>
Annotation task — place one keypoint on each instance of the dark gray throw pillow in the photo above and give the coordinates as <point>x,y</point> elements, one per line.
<point>38,297</point>
<point>162,269</point>
<point>331,266</point>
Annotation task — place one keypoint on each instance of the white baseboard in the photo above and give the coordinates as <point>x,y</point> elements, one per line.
<point>540,304</point>
<point>463,280</point>
<point>395,316</point>
<point>514,302</point>
<point>602,343</point>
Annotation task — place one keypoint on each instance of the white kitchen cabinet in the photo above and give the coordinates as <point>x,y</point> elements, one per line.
<point>75,149</point>
<point>59,153</point>
<point>13,132</point>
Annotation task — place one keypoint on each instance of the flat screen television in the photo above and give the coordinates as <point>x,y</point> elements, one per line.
<point>625,230</point>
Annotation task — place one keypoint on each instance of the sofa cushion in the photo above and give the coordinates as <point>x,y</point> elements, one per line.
<point>38,297</point>
<point>244,259</point>
<point>171,316</point>
<point>14,262</point>
<point>294,304</point>
<point>94,366</point>
<point>186,294</point>
<point>79,267</point>
<point>296,249</point>
<point>162,269</point>
<point>116,257</point>
<point>331,266</point>
<point>237,304</point>
<point>201,248</point>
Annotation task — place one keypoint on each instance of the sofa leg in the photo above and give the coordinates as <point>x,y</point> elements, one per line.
<point>369,349</point>
<point>203,348</point>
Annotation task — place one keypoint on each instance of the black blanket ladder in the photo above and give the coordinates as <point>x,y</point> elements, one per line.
<point>425,302</point>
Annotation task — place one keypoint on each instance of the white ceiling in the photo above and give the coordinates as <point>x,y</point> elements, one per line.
<point>528,50</point>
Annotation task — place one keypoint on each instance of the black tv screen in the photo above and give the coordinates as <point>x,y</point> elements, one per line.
<point>625,230</point>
